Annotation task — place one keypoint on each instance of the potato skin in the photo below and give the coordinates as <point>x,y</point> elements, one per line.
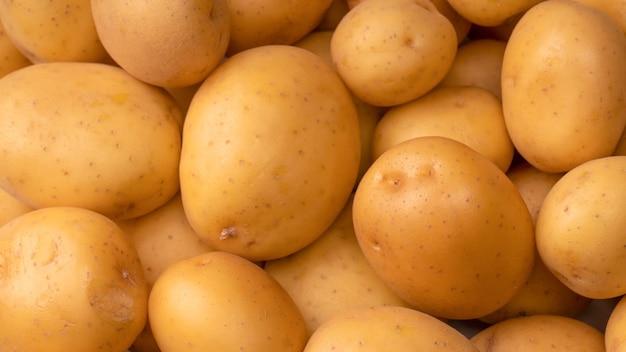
<point>70,280</point>
<point>268,164</point>
<point>555,124</point>
<point>104,140</point>
<point>444,228</point>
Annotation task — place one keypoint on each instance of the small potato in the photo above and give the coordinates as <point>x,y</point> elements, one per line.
<point>218,301</point>
<point>556,124</point>
<point>386,328</point>
<point>470,115</point>
<point>477,63</point>
<point>50,31</point>
<point>444,228</point>
<point>331,275</point>
<point>11,58</point>
<point>491,13</point>
<point>540,333</point>
<point>88,135</point>
<point>391,52</point>
<point>70,280</point>
<point>168,43</point>
<point>580,228</point>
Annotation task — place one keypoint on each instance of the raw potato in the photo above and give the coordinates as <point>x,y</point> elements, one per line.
<point>88,135</point>
<point>272,22</point>
<point>50,31</point>
<point>166,43</point>
<point>540,333</point>
<point>391,52</point>
<point>564,107</point>
<point>580,228</point>
<point>615,9</point>
<point>268,164</point>
<point>615,331</point>
<point>11,207</point>
<point>386,328</point>
<point>331,275</point>
<point>470,115</point>
<point>70,280</point>
<point>477,63</point>
<point>444,228</point>
<point>491,13</point>
<point>11,58</point>
<point>218,301</point>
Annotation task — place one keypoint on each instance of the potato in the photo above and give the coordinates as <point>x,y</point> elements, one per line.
<point>539,333</point>
<point>615,9</point>
<point>491,13</point>
<point>444,228</point>
<point>470,115</point>
<point>49,31</point>
<point>11,207</point>
<point>272,22</point>
<point>270,155</point>
<point>218,301</point>
<point>477,63</point>
<point>88,135</point>
<point>580,228</point>
<point>331,275</point>
<point>386,328</point>
<point>564,107</point>
<point>391,52</point>
<point>11,58</point>
<point>614,333</point>
<point>70,280</point>
<point>166,43</point>
<point>332,16</point>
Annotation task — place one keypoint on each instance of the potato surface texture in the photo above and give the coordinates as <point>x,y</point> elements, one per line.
<point>444,228</point>
<point>271,152</point>
<point>168,43</point>
<point>88,135</point>
<point>563,86</point>
<point>70,280</point>
<point>218,301</point>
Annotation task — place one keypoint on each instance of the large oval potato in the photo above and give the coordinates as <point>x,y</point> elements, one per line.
<point>444,227</point>
<point>218,301</point>
<point>88,135</point>
<point>70,280</point>
<point>563,86</point>
<point>271,152</point>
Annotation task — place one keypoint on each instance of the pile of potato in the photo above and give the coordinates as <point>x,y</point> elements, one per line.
<point>332,175</point>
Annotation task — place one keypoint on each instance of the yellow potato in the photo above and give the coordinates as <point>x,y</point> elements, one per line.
<point>580,228</point>
<point>616,9</point>
<point>477,63</point>
<point>70,280</point>
<point>88,135</point>
<point>11,207</point>
<point>391,52</point>
<point>386,328</point>
<point>47,31</point>
<point>331,275</point>
<point>271,150</point>
<point>444,228</point>
<point>470,115</point>
<point>218,301</point>
<point>564,107</point>
<point>491,13</point>
<point>166,43</point>
<point>540,333</point>
<point>272,22</point>
<point>11,58</point>
<point>615,331</point>
<point>332,16</point>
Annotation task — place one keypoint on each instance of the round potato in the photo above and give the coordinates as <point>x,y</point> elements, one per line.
<point>470,115</point>
<point>540,333</point>
<point>166,43</point>
<point>88,135</point>
<point>46,31</point>
<point>386,328</point>
<point>331,275</point>
<point>477,63</point>
<point>271,151</point>
<point>444,228</point>
<point>491,13</point>
<point>580,228</point>
<point>555,124</point>
<point>391,52</point>
<point>70,280</point>
<point>218,301</point>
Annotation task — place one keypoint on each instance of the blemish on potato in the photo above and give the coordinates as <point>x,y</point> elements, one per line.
<point>228,232</point>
